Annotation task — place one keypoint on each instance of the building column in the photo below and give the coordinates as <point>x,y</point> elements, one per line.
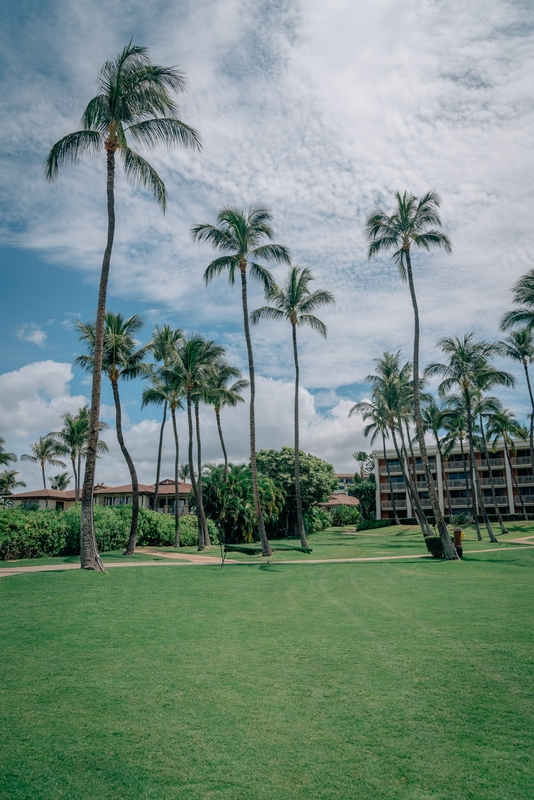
<point>377,491</point>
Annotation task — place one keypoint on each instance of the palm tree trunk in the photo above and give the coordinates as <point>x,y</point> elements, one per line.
<point>176,483</point>
<point>514,480</point>
<point>219,428</point>
<point>390,484</point>
<point>477,499</point>
<point>73,462</point>
<point>298,498</point>
<point>448,547</point>
<point>130,547</point>
<point>160,447</point>
<point>492,482</point>
<point>192,470</point>
<point>418,509</point>
<point>468,482</point>
<point>531,429</point>
<point>90,558</point>
<point>79,472</point>
<point>43,473</point>
<point>444,482</point>
<point>265,546</point>
<point>423,523</point>
<point>205,532</point>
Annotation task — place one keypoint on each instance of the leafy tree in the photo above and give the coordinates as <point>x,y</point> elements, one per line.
<point>365,490</point>
<point>5,457</point>
<point>121,358</point>
<point>60,482</point>
<point>414,223</point>
<point>317,481</point>
<point>224,388</point>
<point>45,451</point>
<point>8,481</point>
<point>168,393</point>
<point>295,303</point>
<point>164,340</point>
<point>133,102</point>
<point>240,238</point>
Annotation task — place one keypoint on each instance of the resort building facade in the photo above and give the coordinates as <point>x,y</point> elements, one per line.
<point>512,478</point>
<point>110,496</point>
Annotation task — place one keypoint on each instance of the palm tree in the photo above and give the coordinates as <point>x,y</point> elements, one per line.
<point>503,425</point>
<point>168,393</point>
<point>482,408</point>
<point>363,460</point>
<point>224,390</point>
<point>239,238</point>
<point>469,369</point>
<point>45,451</point>
<point>184,472</point>
<point>60,482</point>
<point>519,346</point>
<point>8,481</point>
<point>192,362</point>
<point>73,437</point>
<point>120,359</point>
<point>164,340</point>
<point>524,298</point>
<point>133,102</point>
<point>380,417</point>
<point>5,458</point>
<point>295,303</point>
<point>412,224</point>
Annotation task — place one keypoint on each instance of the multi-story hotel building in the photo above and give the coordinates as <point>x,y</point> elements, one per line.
<point>450,476</point>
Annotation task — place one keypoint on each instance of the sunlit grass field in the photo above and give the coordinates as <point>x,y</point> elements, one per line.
<point>395,680</point>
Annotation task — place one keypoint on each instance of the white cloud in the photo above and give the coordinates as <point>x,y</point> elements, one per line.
<point>31,332</point>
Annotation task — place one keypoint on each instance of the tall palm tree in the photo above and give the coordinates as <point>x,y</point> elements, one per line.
<point>239,238</point>
<point>503,425</point>
<point>184,472</point>
<point>192,362</point>
<point>169,393</point>
<point>73,438</point>
<point>60,482</point>
<point>414,223</point>
<point>519,346</point>
<point>469,369</point>
<point>224,391</point>
<point>524,298</point>
<point>133,102</point>
<point>121,358</point>
<point>45,451</point>
<point>295,303</point>
<point>5,457</point>
<point>8,481</point>
<point>164,340</point>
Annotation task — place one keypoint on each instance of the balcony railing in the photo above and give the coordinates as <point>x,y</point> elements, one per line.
<point>397,486</point>
<point>387,505</point>
<point>525,480</point>
<point>528,499</point>
<point>393,470</point>
<point>496,481</point>
<point>420,468</point>
<point>520,461</point>
<point>449,466</point>
<point>501,501</point>
<point>457,483</point>
<point>459,502</point>
<point>494,462</point>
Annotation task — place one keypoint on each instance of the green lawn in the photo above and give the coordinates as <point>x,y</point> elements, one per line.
<point>400,680</point>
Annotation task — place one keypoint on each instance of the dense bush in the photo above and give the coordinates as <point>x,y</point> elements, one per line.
<point>344,515</point>
<point>434,546</point>
<point>370,524</point>
<point>317,519</point>
<point>31,534</point>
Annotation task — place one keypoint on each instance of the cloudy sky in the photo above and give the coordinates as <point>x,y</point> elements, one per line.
<point>319,111</point>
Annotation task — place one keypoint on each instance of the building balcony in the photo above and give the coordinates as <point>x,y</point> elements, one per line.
<point>496,481</point>
<point>501,501</point>
<point>521,461</point>
<point>525,480</point>
<point>397,486</point>
<point>458,502</point>
<point>528,499</point>
<point>419,467</point>
<point>394,469</point>
<point>457,483</point>
<point>493,462</point>
<point>456,466</point>
<point>387,505</point>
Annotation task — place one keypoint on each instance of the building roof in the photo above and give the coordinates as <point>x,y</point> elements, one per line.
<point>165,488</point>
<point>340,500</point>
<point>45,494</point>
<point>344,474</point>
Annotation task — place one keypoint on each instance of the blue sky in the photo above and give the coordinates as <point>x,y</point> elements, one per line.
<point>319,111</point>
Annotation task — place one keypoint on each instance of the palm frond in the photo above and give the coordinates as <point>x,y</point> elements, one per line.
<point>139,170</point>
<point>314,323</point>
<point>261,274</point>
<point>272,252</point>
<point>266,312</point>
<point>68,150</point>
<point>231,263</point>
<point>166,130</point>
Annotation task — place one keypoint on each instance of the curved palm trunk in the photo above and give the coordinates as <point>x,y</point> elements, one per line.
<point>160,448</point>
<point>444,482</point>
<point>423,522</point>
<point>390,484</point>
<point>130,547</point>
<point>219,428</point>
<point>205,532</point>
<point>192,470</point>
<point>492,482</point>
<point>514,479</point>
<point>90,558</point>
<point>531,429</point>
<point>298,498</point>
<point>73,462</point>
<point>418,508</point>
<point>265,546</point>
<point>448,547</point>
<point>43,474</point>
<point>478,498</point>
<point>176,485</point>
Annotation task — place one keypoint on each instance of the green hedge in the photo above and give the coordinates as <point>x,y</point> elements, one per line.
<point>370,524</point>
<point>31,534</point>
<point>344,515</point>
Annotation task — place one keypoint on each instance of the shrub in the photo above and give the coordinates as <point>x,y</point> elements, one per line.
<point>459,519</point>
<point>344,515</point>
<point>435,546</point>
<point>30,534</point>
<point>189,531</point>
<point>370,524</point>
<point>317,519</point>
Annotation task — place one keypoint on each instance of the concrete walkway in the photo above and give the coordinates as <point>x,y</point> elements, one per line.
<point>187,559</point>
